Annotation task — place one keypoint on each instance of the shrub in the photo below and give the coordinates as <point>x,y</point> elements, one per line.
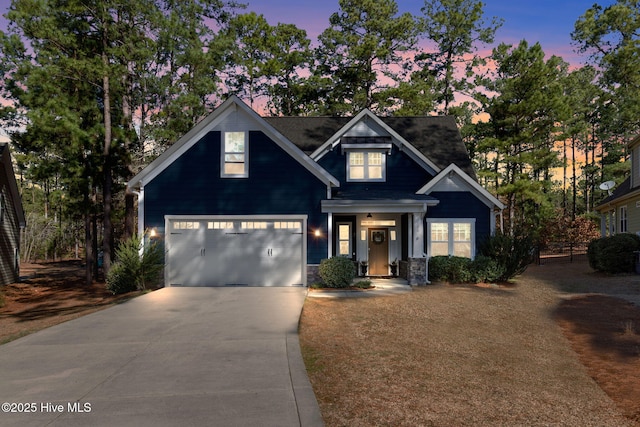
<point>512,253</point>
<point>485,269</point>
<point>133,271</point>
<point>337,272</point>
<point>450,269</point>
<point>363,284</point>
<point>614,254</point>
<point>438,267</point>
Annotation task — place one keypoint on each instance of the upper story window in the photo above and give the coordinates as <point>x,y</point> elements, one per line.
<point>235,155</point>
<point>366,166</point>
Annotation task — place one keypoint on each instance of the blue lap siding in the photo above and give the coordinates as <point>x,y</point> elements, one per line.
<point>277,185</point>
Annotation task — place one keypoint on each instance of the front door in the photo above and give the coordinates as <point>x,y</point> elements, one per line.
<point>378,251</point>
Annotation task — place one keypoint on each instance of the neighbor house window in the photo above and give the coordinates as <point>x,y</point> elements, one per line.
<point>234,157</point>
<point>623,219</point>
<point>451,237</point>
<point>366,166</point>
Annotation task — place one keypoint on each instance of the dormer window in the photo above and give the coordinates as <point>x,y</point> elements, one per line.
<point>235,155</point>
<point>366,166</point>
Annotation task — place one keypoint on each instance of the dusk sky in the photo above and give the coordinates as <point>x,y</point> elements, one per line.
<point>549,22</point>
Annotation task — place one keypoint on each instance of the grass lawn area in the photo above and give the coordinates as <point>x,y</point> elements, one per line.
<point>447,355</point>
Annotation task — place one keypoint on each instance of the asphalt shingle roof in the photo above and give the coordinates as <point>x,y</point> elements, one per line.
<point>436,137</point>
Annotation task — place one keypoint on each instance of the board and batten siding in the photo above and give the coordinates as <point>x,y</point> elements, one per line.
<point>9,236</point>
<point>277,185</point>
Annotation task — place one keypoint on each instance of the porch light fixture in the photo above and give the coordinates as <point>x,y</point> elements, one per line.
<point>369,215</point>
<point>317,232</point>
<point>152,233</point>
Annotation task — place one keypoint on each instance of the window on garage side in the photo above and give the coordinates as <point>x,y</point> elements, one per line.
<point>234,155</point>
<point>451,238</point>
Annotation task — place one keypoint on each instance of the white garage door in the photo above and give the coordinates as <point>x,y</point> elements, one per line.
<point>252,251</point>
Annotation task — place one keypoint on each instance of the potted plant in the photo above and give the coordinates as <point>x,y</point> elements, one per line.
<point>394,267</point>
<point>363,268</point>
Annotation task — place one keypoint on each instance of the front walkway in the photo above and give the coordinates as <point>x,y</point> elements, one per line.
<point>381,287</point>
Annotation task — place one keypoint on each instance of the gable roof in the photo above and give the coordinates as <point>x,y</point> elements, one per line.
<point>209,123</point>
<point>7,165</point>
<point>464,181</point>
<point>435,138</point>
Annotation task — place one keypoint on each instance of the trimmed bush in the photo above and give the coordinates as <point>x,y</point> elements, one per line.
<point>451,269</point>
<point>614,254</point>
<point>337,272</point>
<point>438,266</point>
<point>512,253</point>
<point>133,271</point>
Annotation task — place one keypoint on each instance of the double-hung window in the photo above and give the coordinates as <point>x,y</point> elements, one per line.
<point>451,237</point>
<point>623,219</point>
<point>235,155</point>
<point>366,166</point>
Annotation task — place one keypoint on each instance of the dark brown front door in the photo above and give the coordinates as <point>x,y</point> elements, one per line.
<point>378,251</point>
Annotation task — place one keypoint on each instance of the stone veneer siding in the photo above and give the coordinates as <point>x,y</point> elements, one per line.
<point>313,274</point>
<point>416,272</point>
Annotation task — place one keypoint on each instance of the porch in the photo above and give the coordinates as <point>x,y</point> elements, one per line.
<point>384,238</point>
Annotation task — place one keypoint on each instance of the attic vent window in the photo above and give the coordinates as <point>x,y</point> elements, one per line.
<point>234,155</point>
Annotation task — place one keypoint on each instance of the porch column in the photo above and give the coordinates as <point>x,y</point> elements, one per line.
<point>140,194</point>
<point>417,250</point>
<point>603,225</point>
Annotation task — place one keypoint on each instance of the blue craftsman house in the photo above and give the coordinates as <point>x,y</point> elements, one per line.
<point>245,199</point>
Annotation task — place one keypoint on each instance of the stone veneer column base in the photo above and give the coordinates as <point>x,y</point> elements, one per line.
<point>417,272</point>
<point>313,274</point>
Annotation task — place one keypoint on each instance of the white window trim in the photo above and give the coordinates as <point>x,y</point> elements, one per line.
<point>452,221</point>
<point>350,239</point>
<point>245,174</point>
<point>624,219</point>
<point>366,166</point>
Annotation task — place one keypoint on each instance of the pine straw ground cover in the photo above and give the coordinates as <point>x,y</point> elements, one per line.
<point>52,293</point>
<point>447,355</point>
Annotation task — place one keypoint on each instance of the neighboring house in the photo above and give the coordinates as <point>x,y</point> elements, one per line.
<point>12,220</point>
<point>620,212</point>
<point>242,199</point>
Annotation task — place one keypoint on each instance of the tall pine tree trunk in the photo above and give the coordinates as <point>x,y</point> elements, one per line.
<point>107,238</point>
<point>88,243</point>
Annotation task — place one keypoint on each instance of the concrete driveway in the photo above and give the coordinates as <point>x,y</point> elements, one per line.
<point>174,357</point>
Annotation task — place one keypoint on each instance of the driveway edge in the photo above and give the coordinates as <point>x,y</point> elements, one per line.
<point>308,408</point>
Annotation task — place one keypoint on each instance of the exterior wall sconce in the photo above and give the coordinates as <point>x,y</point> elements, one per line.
<point>369,215</point>
<point>317,232</point>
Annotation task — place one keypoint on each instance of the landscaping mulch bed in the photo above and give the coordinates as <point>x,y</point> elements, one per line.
<point>50,293</point>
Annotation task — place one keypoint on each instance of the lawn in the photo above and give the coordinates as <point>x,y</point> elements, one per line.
<point>560,347</point>
<point>448,355</point>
